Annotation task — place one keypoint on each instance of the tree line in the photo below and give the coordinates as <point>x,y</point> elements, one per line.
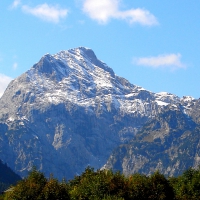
<point>107,185</point>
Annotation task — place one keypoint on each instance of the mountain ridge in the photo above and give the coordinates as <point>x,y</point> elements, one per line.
<point>70,110</point>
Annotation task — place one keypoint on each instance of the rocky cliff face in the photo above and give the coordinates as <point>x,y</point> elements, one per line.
<point>168,143</point>
<point>70,110</point>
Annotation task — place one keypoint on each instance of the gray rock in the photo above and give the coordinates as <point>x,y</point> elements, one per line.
<point>168,143</point>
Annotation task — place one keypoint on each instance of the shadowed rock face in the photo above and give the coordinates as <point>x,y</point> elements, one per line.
<point>70,110</point>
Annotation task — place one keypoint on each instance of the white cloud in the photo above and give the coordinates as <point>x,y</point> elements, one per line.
<point>15,4</point>
<point>101,10</point>
<point>172,61</point>
<point>104,10</point>
<point>141,16</point>
<point>4,81</point>
<point>46,12</point>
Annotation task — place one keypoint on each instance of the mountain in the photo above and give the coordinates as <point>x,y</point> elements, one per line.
<point>168,143</point>
<point>70,110</point>
<point>7,177</point>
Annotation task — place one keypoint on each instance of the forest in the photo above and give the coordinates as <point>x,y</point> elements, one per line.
<point>107,185</point>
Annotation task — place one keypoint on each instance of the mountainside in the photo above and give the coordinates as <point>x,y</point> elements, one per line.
<point>70,110</point>
<point>7,177</point>
<point>168,143</point>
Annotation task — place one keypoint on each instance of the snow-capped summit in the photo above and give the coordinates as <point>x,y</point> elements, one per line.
<point>70,110</point>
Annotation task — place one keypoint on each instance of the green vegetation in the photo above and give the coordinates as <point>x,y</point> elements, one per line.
<point>107,185</point>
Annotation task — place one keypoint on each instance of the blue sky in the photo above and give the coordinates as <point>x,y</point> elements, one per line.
<point>154,44</point>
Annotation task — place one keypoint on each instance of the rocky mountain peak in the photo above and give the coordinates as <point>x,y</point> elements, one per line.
<point>81,60</point>
<point>86,52</point>
<point>70,110</point>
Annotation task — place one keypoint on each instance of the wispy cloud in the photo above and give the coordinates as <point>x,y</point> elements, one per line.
<point>15,4</point>
<point>46,12</point>
<point>141,16</point>
<point>4,81</point>
<point>171,61</point>
<point>104,10</point>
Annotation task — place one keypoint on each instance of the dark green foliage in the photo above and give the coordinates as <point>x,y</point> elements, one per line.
<point>160,187</point>
<point>98,185</point>
<point>91,185</point>
<point>55,190</point>
<point>30,188</point>
<point>37,187</point>
<point>138,187</point>
<point>108,185</point>
<point>187,186</point>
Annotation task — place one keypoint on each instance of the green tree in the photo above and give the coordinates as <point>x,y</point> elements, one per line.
<point>54,190</point>
<point>187,186</point>
<point>96,185</point>
<point>160,187</point>
<point>138,187</point>
<point>117,184</point>
<point>89,185</point>
<point>29,188</point>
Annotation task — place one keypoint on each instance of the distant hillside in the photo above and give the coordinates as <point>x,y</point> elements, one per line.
<point>7,177</point>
